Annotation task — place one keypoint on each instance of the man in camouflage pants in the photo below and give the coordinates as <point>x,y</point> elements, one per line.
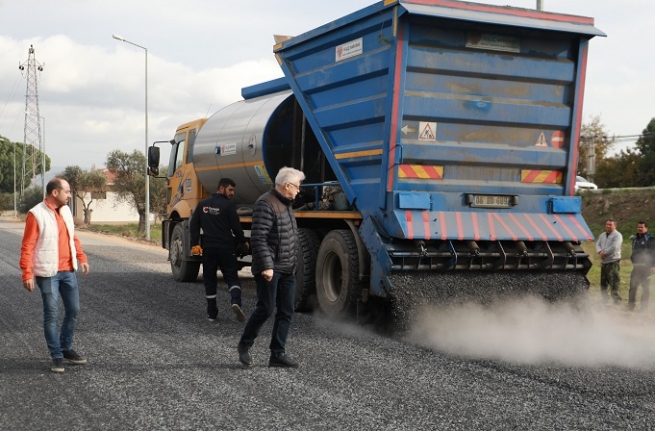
<point>608,248</point>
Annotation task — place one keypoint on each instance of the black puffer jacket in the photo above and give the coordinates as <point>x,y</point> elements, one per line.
<point>273,234</point>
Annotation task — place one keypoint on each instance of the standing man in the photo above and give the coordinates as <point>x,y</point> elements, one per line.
<point>273,240</point>
<point>49,256</point>
<point>643,265</point>
<point>608,248</point>
<point>218,219</point>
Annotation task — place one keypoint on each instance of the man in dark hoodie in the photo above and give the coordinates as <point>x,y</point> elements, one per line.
<point>643,265</point>
<point>217,216</point>
<point>273,239</point>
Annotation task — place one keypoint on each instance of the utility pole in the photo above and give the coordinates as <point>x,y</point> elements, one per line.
<point>32,138</point>
<point>540,4</point>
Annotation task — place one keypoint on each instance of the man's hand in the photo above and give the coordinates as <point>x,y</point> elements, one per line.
<point>602,255</point>
<point>267,274</point>
<point>196,250</point>
<point>242,249</point>
<point>29,284</point>
<point>85,268</point>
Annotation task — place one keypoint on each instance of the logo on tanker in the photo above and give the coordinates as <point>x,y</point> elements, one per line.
<point>349,49</point>
<point>228,149</point>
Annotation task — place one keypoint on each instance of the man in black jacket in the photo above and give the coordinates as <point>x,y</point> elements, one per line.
<point>217,216</point>
<point>643,265</point>
<point>273,240</point>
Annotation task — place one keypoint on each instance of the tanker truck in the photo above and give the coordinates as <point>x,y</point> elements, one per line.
<point>440,143</point>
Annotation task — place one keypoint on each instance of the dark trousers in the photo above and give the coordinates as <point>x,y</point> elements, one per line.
<point>640,275</point>
<point>610,276</point>
<point>279,293</point>
<point>212,260</point>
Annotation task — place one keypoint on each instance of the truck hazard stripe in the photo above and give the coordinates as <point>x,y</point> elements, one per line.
<point>492,226</point>
<point>538,176</point>
<point>410,225</point>
<point>518,223</point>
<point>476,228</point>
<point>420,172</point>
<point>426,224</point>
<point>580,228</point>
<point>534,225</point>
<point>547,223</point>
<point>509,231</point>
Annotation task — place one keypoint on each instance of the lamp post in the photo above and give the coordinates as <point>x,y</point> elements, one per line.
<point>15,206</point>
<point>147,209</point>
<point>42,161</point>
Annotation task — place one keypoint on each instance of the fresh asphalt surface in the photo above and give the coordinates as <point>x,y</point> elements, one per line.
<point>155,363</point>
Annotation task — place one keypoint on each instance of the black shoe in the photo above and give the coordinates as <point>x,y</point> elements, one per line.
<point>238,312</point>
<point>57,365</point>
<point>212,319</point>
<point>72,357</point>
<point>282,361</point>
<point>244,356</point>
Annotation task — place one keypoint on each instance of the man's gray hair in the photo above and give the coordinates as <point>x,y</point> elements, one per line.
<point>288,175</point>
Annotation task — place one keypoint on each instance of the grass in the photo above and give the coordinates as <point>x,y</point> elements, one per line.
<point>127,230</point>
<point>626,269</point>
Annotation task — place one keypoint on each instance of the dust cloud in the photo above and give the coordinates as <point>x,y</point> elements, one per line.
<point>532,331</point>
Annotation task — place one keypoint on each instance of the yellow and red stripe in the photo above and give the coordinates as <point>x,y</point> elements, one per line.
<point>538,176</point>
<point>420,172</point>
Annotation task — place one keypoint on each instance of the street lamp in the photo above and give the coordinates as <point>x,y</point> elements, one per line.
<point>42,161</point>
<point>122,39</point>
<point>15,206</point>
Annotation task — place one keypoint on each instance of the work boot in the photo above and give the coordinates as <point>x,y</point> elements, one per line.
<point>212,310</point>
<point>72,357</point>
<point>244,356</point>
<point>57,365</point>
<point>281,360</point>
<point>238,312</point>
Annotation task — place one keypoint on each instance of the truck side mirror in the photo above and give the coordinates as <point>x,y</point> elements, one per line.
<point>153,160</point>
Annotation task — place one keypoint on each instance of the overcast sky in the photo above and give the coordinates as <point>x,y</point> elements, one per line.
<point>202,52</point>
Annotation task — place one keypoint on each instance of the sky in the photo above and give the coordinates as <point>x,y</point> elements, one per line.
<point>202,52</point>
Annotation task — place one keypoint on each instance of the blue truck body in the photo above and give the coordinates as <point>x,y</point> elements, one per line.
<point>448,121</point>
<point>450,127</point>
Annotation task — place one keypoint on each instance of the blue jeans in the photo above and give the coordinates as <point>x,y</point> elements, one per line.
<point>278,293</point>
<point>63,283</point>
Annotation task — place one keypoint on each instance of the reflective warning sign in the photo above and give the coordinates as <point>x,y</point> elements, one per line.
<point>541,142</point>
<point>427,131</point>
<point>557,139</point>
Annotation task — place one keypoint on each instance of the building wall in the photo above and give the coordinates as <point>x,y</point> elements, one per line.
<point>108,211</point>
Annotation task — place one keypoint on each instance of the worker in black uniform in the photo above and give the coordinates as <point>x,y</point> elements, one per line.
<point>218,219</point>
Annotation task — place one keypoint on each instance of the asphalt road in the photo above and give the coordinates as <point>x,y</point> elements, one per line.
<point>155,363</point>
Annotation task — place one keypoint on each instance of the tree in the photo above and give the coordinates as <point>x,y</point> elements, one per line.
<point>646,147</point>
<point>7,149</point>
<point>130,183</point>
<point>85,185</point>
<point>593,135</point>
<point>618,171</point>
<point>158,202</point>
<point>30,199</point>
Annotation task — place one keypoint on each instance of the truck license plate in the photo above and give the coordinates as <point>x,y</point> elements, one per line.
<point>491,201</point>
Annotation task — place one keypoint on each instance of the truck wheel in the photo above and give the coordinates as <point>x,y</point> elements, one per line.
<point>182,269</point>
<point>308,244</point>
<point>337,274</point>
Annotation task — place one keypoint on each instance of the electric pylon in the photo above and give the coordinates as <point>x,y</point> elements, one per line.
<point>32,138</point>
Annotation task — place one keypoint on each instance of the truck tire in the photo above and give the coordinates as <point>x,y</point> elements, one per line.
<point>337,274</point>
<point>308,244</point>
<point>182,269</point>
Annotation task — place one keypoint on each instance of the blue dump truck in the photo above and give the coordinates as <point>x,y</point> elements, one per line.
<point>440,143</point>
